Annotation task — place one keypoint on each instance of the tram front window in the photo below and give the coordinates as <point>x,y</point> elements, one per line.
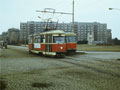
<point>59,39</point>
<point>70,39</point>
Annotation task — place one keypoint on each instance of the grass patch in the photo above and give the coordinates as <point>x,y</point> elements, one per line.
<point>111,48</point>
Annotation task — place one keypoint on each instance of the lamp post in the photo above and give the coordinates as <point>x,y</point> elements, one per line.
<point>114,9</point>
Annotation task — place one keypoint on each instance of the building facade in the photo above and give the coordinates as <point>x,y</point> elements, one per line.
<point>29,28</point>
<point>32,27</point>
<point>0,37</point>
<point>13,36</point>
<point>109,36</point>
<point>4,36</point>
<point>101,34</point>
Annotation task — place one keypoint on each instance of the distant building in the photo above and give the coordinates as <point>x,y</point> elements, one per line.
<point>0,37</point>
<point>29,28</point>
<point>32,27</point>
<point>4,36</point>
<point>81,29</point>
<point>13,36</point>
<point>109,36</point>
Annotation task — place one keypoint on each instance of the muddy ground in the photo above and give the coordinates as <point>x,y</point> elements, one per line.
<point>20,70</point>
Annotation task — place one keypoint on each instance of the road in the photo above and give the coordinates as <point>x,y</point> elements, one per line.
<point>20,70</point>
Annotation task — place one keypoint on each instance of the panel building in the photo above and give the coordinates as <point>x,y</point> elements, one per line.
<point>0,37</point>
<point>4,36</point>
<point>32,27</point>
<point>101,35</point>
<point>13,36</point>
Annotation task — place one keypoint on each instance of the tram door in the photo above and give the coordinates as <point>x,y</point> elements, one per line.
<point>31,41</point>
<point>48,43</point>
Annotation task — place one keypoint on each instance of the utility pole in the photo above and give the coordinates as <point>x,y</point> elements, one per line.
<point>73,17</point>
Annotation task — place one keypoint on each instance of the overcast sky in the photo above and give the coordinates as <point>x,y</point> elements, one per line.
<point>12,12</point>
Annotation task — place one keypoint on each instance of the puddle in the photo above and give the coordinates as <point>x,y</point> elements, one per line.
<point>118,59</point>
<point>2,85</point>
<point>41,85</point>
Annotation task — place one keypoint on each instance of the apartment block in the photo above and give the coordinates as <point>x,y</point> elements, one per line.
<point>101,34</point>
<point>4,36</point>
<point>13,36</point>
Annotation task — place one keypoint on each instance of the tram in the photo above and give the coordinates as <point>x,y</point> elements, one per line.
<point>48,43</point>
<point>53,42</point>
<point>71,44</point>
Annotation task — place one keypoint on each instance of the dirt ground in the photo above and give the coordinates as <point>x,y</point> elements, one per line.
<point>20,70</point>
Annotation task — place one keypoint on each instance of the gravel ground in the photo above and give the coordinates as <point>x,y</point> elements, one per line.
<point>20,70</point>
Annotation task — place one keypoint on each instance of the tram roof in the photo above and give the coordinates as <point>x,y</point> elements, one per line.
<point>53,32</point>
<point>50,32</point>
<point>56,32</point>
<point>70,33</point>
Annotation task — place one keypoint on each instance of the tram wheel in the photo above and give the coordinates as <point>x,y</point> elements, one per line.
<point>60,55</point>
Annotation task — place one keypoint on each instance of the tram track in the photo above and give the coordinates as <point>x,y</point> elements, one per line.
<point>91,61</point>
<point>71,60</point>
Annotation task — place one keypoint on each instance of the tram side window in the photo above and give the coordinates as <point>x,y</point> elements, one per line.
<point>59,39</point>
<point>70,39</point>
<point>42,39</point>
<point>37,39</point>
<point>48,38</point>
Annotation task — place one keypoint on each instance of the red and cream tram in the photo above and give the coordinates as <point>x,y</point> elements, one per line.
<point>53,42</point>
<point>71,44</point>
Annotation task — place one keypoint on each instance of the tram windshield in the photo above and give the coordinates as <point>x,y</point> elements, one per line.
<point>70,38</point>
<point>59,39</point>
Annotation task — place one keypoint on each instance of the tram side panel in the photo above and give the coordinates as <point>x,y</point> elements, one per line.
<point>59,48</point>
<point>71,46</point>
<point>39,47</point>
<point>30,46</point>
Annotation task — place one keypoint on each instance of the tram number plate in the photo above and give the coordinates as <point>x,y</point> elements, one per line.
<point>37,45</point>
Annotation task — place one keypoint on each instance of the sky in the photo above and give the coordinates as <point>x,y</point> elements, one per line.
<point>12,12</point>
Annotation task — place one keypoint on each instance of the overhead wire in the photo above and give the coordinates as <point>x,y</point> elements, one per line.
<point>61,5</point>
<point>58,5</point>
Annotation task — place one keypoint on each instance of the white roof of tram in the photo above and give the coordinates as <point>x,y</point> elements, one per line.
<point>70,34</point>
<point>53,32</point>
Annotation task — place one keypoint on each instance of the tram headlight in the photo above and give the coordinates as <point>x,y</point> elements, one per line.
<point>61,47</point>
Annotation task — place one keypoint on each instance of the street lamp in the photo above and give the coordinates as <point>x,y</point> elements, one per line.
<point>114,9</point>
